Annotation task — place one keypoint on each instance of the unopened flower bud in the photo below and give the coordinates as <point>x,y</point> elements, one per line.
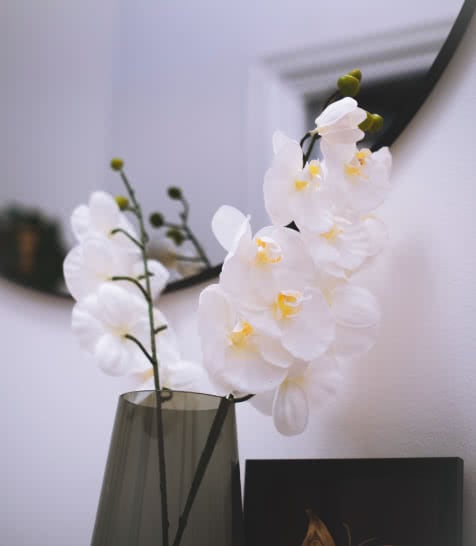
<point>348,85</point>
<point>367,123</point>
<point>176,235</point>
<point>377,123</point>
<point>156,219</point>
<point>122,202</point>
<point>356,73</point>
<point>116,164</point>
<point>174,192</point>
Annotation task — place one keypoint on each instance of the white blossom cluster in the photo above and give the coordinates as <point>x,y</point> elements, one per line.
<point>107,310</point>
<point>286,311</point>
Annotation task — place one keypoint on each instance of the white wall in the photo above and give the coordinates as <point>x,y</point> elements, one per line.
<point>412,396</point>
<point>162,84</point>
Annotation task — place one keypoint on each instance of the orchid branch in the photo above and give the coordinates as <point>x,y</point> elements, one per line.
<point>141,347</point>
<point>205,457</point>
<point>154,360</point>
<point>133,281</point>
<point>128,235</point>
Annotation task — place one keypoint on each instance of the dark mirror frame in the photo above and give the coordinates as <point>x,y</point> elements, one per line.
<point>386,138</point>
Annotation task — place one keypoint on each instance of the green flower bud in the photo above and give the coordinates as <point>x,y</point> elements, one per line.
<point>356,73</point>
<point>156,219</point>
<point>174,192</point>
<point>377,123</point>
<point>348,85</point>
<point>176,235</point>
<point>117,164</point>
<point>122,202</point>
<point>367,123</point>
<point>372,123</point>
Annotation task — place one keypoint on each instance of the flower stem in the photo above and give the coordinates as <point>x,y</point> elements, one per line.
<point>197,245</point>
<point>141,347</point>
<point>155,363</point>
<point>133,281</point>
<point>205,457</point>
<point>129,236</point>
<point>307,155</point>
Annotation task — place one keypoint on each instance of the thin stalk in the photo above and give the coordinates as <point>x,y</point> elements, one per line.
<point>155,364</point>
<point>304,138</point>
<point>129,236</point>
<point>205,457</point>
<point>197,245</point>
<point>307,155</point>
<point>141,347</point>
<point>133,281</point>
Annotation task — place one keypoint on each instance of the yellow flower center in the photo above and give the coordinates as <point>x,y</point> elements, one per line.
<point>300,185</point>
<point>314,169</point>
<point>332,234</point>
<point>268,251</point>
<point>288,304</point>
<point>240,333</point>
<point>359,161</point>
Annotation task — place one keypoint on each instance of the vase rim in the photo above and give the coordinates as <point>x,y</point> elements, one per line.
<point>183,400</point>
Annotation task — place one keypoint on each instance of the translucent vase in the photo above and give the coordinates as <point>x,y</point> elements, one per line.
<point>130,507</point>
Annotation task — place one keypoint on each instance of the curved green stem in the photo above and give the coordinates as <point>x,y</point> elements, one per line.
<point>133,281</point>
<point>141,347</point>
<point>129,236</point>
<point>197,245</point>
<point>160,329</point>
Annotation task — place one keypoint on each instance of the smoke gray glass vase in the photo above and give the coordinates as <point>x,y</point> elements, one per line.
<point>130,509</point>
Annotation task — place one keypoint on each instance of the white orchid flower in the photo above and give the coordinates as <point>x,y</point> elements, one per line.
<point>253,262</point>
<point>291,315</point>
<point>96,260</point>
<point>361,177</point>
<point>338,124</point>
<point>236,353</point>
<point>306,387</point>
<point>291,192</point>
<point>101,322</point>
<point>99,218</point>
<point>339,246</point>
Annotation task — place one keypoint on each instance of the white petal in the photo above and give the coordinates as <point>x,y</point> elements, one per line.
<point>185,375</point>
<point>273,352</point>
<point>322,378</point>
<point>159,278</point>
<point>310,333</point>
<point>288,162</point>
<point>279,140</point>
<point>246,372</point>
<point>80,222</point>
<point>78,285</point>
<point>85,325</point>
<point>215,316</point>
<point>290,409</point>
<point>336,111</point>
<point>355,307</point>
<point>227,224</point>
<point>263,402</point>
<point>111,355</point>
<point>118,308</point>
<point>104,212</point>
